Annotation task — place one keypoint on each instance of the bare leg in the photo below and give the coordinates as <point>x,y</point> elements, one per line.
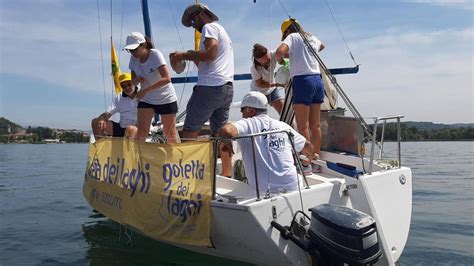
<point>145,116</point>
<point>226,160</point>
<point>169,128</point>
<point>315,126</point>
<point>302,119</point>
<point>278,105</point>
<point>131,132</point>
<point>190,135</point>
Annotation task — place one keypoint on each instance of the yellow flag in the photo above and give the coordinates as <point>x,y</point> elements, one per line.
<point>197,40</point>
<point>115,69</point>
<point>197,36</point>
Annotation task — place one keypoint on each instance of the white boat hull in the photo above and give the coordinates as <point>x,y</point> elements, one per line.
<point>242,231</point>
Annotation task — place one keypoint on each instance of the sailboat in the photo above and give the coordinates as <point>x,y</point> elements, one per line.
<point>356,211</point>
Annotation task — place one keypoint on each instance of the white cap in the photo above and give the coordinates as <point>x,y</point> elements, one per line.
<point>134,39</point>
<point>254,99</point>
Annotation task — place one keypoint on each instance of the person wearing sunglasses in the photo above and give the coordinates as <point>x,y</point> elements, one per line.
<point>157,95</point>
<point>213,93</point>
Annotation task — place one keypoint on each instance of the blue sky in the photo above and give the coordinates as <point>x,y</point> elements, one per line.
<point>416,56</point>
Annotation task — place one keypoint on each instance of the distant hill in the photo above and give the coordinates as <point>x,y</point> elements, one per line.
<point>18,134</point>
<point>431,125</point>
<point>428,131</point>
<point>410,131</point>
<point>4,123</point>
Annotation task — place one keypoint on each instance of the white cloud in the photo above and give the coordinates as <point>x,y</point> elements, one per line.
<point>465,4</point>
<point>425,75</point>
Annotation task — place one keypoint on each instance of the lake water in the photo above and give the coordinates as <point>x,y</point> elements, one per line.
<point>44,219</point>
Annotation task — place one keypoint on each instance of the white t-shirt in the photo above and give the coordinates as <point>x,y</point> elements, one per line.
<point>302,61</point>
<point>273,156</point>
<point>149,71</point>
<point>259,72</point>
<point>221,70</point>
<point>126,107</point>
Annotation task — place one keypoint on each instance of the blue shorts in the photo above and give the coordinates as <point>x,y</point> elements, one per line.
<point>277,94</point>
<point>308,89</point>
<point>209,103</point>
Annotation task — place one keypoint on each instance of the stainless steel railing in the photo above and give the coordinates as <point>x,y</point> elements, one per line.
<point>374,139</point>
<point>217,140</point>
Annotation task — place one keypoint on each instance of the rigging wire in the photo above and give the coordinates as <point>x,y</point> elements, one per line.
<point>101,55</point>
<point>175,25</point>
<point>284,9</point>
<point>296,157</point>
<point>121,29</point>
<point>340,31</point>
<point>269,121</point>
<point>112,83</point>
<point>182,47</point>
<point>333,80</point>
<point>111,23</point>
<point>271,22</point>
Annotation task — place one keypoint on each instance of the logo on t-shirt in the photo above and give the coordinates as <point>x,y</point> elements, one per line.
<point>276,140</point>
<point>153,69</point>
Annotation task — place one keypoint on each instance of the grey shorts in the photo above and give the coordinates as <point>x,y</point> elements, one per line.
<point>209,103</point>
<point>277,94</point>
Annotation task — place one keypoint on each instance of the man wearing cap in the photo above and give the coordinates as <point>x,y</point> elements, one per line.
<point>125,104</point>
<point>212,95</point>
<point>276,170</point>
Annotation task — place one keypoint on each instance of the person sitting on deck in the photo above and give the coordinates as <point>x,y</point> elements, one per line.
<point>125,104</point>
<point>273,153</point>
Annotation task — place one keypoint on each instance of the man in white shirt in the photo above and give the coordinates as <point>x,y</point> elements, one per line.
<point>213,92</point>
<point>125,104</point>
<point>273,157</point>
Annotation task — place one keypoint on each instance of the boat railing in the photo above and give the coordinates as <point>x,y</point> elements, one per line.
<point>218,140</point>
<point>382,135</point>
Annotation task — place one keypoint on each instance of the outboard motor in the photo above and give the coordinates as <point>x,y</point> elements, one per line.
<point>336,235</point>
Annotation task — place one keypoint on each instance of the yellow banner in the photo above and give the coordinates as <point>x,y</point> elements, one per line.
<point>161,190</point>
<point>116,72</point>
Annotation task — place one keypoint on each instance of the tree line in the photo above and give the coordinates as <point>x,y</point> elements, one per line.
<point>415,134</point>
<point>37,134</point>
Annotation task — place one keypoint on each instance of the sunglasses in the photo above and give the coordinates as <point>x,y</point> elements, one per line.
<point>133,50</point>
<point>193,20</point>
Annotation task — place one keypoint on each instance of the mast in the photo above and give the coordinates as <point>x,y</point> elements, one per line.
<point>147,25</point>
<point>146,19</point>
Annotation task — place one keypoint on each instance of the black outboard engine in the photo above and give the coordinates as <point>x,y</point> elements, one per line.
<point>337,235</point>
<point>343,235</point>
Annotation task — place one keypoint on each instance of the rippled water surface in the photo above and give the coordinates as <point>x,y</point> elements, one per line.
<point>44,218</point>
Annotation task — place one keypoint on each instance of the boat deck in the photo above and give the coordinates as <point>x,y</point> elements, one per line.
<point>233,191</point>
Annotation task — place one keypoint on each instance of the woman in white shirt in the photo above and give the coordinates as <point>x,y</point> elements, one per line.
<point>308,88</point>
<point>263,79</point>
<point>157,94</point>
